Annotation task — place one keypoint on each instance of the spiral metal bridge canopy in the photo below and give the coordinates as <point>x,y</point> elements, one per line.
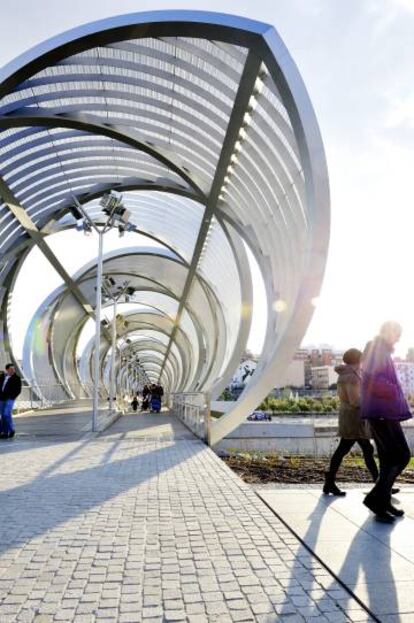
<point>203,123</point>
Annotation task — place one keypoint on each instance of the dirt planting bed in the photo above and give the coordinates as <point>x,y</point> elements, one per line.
<point>265,469</point>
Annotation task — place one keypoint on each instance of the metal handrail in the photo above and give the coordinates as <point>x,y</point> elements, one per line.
<point>195,414</point>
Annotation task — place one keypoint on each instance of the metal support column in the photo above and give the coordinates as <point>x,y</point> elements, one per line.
<point>112,387</point>
<point>95,412</point>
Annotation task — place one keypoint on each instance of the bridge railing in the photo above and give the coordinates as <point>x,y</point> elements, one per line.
<point>43,396</point>
<point>193,409</point>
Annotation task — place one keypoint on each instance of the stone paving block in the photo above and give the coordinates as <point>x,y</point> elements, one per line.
<point>197,608</point>
<point>262,608</point>
<point>174,615</point>
<point>337,617</point>
<point>135,617</point>
<point>237,604</point>
<point>239,616</point>
<point>216,608</point>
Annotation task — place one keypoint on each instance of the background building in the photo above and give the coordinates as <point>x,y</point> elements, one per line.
<point>405,372</point>
<point>323,377</point>
<point>294,375</point>
<point>316,356</point>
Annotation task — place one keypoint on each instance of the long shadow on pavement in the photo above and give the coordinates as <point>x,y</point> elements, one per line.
<point>371,567</point>
<point>33,509</point>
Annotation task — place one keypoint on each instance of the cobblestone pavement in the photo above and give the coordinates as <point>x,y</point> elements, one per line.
<point>120,529</point>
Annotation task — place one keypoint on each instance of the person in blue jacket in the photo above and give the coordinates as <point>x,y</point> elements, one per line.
<point>384,405</point>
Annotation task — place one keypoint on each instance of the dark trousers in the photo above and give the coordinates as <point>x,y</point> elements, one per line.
<point>344,448</point>
<point>394,455</point>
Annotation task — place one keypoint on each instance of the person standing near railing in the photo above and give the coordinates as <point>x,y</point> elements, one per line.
<point>10,388</point>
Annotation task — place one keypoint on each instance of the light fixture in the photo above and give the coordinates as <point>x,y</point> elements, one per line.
<point>252,103</point>
<point>247,119</point>
<point>109,281</point>
<point>258,86</point>
<point>110,201</point>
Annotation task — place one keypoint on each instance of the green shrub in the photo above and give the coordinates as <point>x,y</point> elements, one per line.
<point>325,404</point>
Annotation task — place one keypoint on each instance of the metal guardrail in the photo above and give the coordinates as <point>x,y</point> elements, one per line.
<point>193,409</point>
<point>55,396</point>
<point>43,396</point>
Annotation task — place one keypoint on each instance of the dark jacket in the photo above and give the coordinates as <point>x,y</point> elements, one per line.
<point>12,389</point>
<point>381,396</point>
<point>350,424</point>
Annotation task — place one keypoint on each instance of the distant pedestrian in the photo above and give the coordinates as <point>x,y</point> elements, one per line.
<point>156,394</point>
<point>351,428</point>
<point>10,388</point>
<point>383,403</point>
<point>145,398</point>
<point>134,403</point>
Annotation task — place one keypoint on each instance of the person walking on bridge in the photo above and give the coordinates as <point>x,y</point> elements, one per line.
<point>351,428</point>
<point>10,388</point>
<point>384,405</point>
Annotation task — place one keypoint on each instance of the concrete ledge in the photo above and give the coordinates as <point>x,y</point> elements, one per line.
<point>314,438</point>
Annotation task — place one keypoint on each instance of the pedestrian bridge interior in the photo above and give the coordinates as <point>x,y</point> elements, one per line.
<point>202,123</point>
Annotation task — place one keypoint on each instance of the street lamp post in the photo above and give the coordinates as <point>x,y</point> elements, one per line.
<point>112,388</point>
<point>133,372</point>
<point>115,295</point>
<point>96,363</point>
<point>117,215</point>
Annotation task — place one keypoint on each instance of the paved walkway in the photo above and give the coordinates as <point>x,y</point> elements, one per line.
<point>374,560</point>
<point>148,426</point>
<point>75,421</point>
<point>121,528</point>
<point>68,421</point>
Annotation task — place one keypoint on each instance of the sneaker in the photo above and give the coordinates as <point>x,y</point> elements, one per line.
<point>11,434</point>
<point>395,490</point>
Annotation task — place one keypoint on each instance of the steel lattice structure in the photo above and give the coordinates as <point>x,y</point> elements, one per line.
<point>202,121</point>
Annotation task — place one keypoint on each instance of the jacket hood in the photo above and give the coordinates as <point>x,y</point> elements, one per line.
<point>344,368</point>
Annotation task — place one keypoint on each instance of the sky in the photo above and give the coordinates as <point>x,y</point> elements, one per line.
<point>356,59</point>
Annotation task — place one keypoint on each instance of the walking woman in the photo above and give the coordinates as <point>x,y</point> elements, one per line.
<point>384,405</point>
<point>352,429</point>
